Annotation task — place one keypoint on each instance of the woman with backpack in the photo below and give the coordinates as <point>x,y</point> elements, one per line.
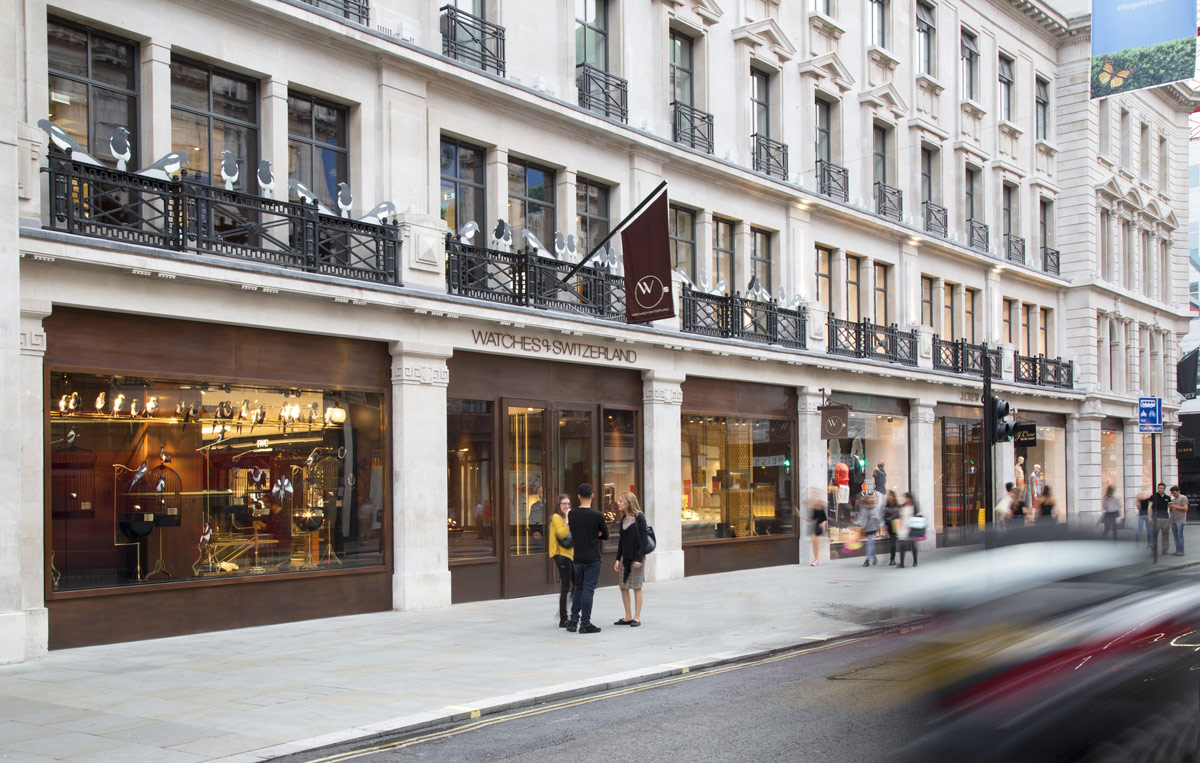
<point>562,554</point>
<point>631,554</point>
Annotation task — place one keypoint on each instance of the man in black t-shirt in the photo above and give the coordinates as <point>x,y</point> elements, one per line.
<point>587,530</point>
<point>1160,507</point>
<point>1144,521</point>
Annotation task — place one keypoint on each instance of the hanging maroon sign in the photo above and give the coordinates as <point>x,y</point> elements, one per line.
<point>646,250</point>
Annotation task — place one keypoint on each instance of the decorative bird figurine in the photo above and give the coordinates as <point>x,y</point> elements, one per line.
<point>167,166</point>
<point>266,178</point>
<point>137,476</point>
<point>466,234</point>
<point>230,171</point>
<point>345,199</point>
<point>71,435</point>
<point>63,403</point>
<point>791,304</point>
<point>162,483</point>
<point>686,280</point>
<point>163,455</point>
<point>75,402</point>
<point>755,290</point>
<point>532,242</point>
<point>118,146</point>
<point>151,405</point>
<point>381,212</point>
<point>135,407</point>
<point>606,258</point>
<point>180,408</point>
<point>118,403</point>
<point>502,236</point>
<point>564,246</point>
<point>307,196</point>
<point>101,400</point>
<point>63,140</point>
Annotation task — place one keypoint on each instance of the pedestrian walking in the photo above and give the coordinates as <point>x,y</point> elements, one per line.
<point>872,516</point>
<point>1144,521</point>
<point>912,528</point>
<point>1179,508</point>
<point>1047,515</point>
<point>820,523</point>
<point>562,554</point>
<point>587,530</point>
<point>1160,511</point>
<point>631,556</point>
<point>891,515</point>
<point>1111,506</point>
<point>1004,511</point>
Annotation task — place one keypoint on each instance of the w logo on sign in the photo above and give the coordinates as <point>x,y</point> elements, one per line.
<point>649,292</point>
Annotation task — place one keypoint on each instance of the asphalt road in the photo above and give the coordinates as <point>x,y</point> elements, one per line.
<point>833,703</point>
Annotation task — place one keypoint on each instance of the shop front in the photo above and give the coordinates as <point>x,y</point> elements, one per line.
<point>1040,461</point>
<point>519,433</point>
<point>206,477</point>
<point>958,491</point>
<point>738,507</point>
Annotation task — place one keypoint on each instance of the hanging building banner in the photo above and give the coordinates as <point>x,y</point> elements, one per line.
<point>1141,43</point>
<point>646,250</point>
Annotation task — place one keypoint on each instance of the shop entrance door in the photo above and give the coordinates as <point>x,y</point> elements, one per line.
<point>962,480</point>
<point>549,449</point>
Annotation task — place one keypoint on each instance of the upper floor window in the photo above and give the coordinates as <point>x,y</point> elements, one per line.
<point>879,22</point>
<point>93,87</point>
<point>1046,223</point>
<point>591,214</point>
<point>682,69</point>
<point>463,190</point>
<point>1164,164</point>
<point>1007,319</point>
<point>971,189</point>
<point>926,39</point>
<point>880,154</point>
<point>1028,327</point>
<point>1041,107</point>
<point>1007,79</point>
<point>927,301</point>
<point>1107,261</point>
<point>823,278</point>
<point>531,201</point>
<point>853,281</point>
<point>970,297</point>
<point>682,228</point>
<point>1126,139</point>
<point>881,288</point>
<point>969,55</point>
<point>948,327</point>
<point>1144,151</point>
<point>318,148</point>
<point>591,33</point>
<point>927,175</point>
<point>760,257</point>
<point>214,111</point>
<point>823,6</point>
<point>824,131</point>
<point>1043,345</point>
<point>1105,118</point>
<point>724,255</point>
<point>760,102</point>
<point>1008,199</point>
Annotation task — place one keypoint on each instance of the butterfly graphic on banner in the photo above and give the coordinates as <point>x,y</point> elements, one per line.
<point>1109,75</point>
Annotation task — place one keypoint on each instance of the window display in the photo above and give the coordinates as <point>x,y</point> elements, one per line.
<point>874,455</point>
<point>472,513</point>
<point>160,480</point>
<point>737,477</point>
<point>1112,461</point>
<point>1045,465</point>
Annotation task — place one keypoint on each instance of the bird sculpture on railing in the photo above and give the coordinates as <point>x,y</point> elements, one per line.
<point>118,146</point>
<point>606,258</point>
<point>63,140</point>
<point>345,199</point>
<point>715,291</point>
<point>755,290</point>
<point>790,304</point>
<point>687,281</point>
<point>167,166</point>
<point>532,242</point>
<point>466,234</point>
<point>266,179</point>
<point>501,236</point>
<point>380,213</point>
<point>296,188</point>
<point>564,247</point>
<point>230,171</point>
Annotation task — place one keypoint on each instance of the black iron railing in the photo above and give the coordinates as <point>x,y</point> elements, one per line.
<point>863,339</point>
<point>602,92</point>
<point>691,127</point>
<point>1050,260</point>
<point>963,357</point>
<point>1025,368</point>
<point>182,215</point>
<point>1044,371</point>
<point>1014,248</point>
<point>935,219</point>
<point>737,317</point>
<point>472,40</point>
<point>531,280</point>
<point>770,156</point>
<point>833,181</point>
<point>350,9</point>
<point>889,201</point>
<point>977,235</point>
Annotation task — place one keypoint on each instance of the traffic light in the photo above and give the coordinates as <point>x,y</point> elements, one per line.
<point>1002,428</point>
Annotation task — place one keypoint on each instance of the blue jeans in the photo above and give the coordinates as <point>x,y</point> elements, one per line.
<point>870,554</point>
<point>587,575</point>
<point>1144,521</point>
<point>1177,534</point>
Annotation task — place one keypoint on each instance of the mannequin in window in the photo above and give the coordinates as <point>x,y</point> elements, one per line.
<point>841,482</point>
<point>1019,475</point>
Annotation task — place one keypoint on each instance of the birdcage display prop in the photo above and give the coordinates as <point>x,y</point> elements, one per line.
<point>72,482</point>
<point>322,483</point>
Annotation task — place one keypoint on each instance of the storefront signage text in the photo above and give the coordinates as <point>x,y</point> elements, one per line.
<point>538,346</point>
<point>1025,436</point>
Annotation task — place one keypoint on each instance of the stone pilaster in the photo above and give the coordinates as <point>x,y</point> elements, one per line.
<point>920,462</point>
<point>1083,460</point>
<point>811,465</point>
<point>1133,464</point>
<point>420,567</point>
<point>662,402</point>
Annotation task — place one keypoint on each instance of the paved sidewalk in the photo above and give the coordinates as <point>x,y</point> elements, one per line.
<point>259,693</point>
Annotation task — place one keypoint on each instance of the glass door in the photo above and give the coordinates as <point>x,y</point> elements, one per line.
<point>962,480</point>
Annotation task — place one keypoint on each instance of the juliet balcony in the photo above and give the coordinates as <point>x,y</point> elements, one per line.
<point>602,93</point>
<point>691,127</point>
<point>833,181</point>
<point>472,40</point>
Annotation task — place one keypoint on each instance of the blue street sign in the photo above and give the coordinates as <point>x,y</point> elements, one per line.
<point>1150,415</point>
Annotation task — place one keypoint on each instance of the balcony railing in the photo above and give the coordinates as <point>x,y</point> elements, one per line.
<point>1014,248</point>
<point>863,339</point>
<point>691,127</point>
<point>602,92</point>
<point>737,317</point>
<point>1050,260</point>
<point>935,219</point>
<point>889,201</point>
<point>472,40</point>
<point>1043,371</point>
<point>350,9</point>
<point>182,215</point>
<point>833,181</point>
<point>532,280</point>
<point>977,235</point>
<point>963,357</point>
<point>770,156</point>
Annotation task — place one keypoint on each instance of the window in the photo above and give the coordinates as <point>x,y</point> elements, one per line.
<point>683,240</point>
<point>823,281</point>
<point>463,190</point>
<point>853,279</point>
<point>318,152</point>
<point>824,133</point>
<point>724,255</point>
<point>1147,263</point>
<point>1009,306</point>
<point>970,63</point>
<point>1126,139</point>
<point>927,301</point>
<point>760,257</point>
<point>1041,109</point>
<point>823,6</point>
<point>93,87</point>
<point>971,187</point>
<point>760,102</point>
<point>214,111</point>
<point>531,201</point>
<point>881,288</point>
<point>879,22</point>
<point>1106,258</point>
<point>1027,338</point>
<point>948,331</point>
<point>1006,88</point>
<point>1105,119</point>
<point>682,72</point>
<point>1164,273</point>
<point>1046,223</point>
<point>1164,164</point>
<point>591,33</point>
<point>591,214</point>
<point>880,153</point>
<point>969,297</point>
<point>927,175</point>
<point>469,433</point>
<point>1009,203</point>
<point>926,39</point>
<point>1044,332</point>
<point>1127,259</point>
<point>1144,151</point>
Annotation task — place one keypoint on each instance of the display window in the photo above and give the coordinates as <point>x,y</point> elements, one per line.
<point>872,456</point>
<point>157,480</point>
<point>737,474</point>
<point>472,514</point>
<point>1148,470</point>
<point>1044,465</point>
<point>1112,460</point>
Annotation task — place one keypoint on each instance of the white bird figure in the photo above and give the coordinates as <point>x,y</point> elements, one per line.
<point>101,400</point>
<point>137,476</point>
<point>135,407</point>
<point>382,211</point>
<point>755,290</point>
<point>791,304</point>
<point>345,199</point>
<point>75,402</point>
<point>167,166</point>
<point>162,483</point>
<point>531,242</point>
<point>686,280</point>
<point>151,405</point>
<point>230,171</point>
<point>560,245</point>
<point>466,234</point>
<point>266,178</point>
<point>118,146</point>
<point>118,403</point>
<point>63,140</point>
<point>71,435</point>
<point>63,403</point>
<point>606,258</point>
<point>299,189</point>
<point>163,455</point>
<point>501,236</point>
<point>180,408</point>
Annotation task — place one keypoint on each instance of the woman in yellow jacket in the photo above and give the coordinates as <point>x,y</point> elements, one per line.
<point>562,554</point>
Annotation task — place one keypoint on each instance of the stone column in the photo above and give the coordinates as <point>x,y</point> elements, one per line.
<point>837,283</point>
<point>1117,349</point>
<point>420,567</point>
<point>812,468</point>
<point>662,401</point>
<point>960,311</point>
<point>565,184</point>
<point>274,139</point>
<point>866,288</point>
<point>153,134</point>
<point>1133,465</point>
<point>497,197</point>
<point>993,309</point>
<point>1133,376</point>
<point>1083,460</point>
<point>1103,354</point>
<point>939,310</point>
<point>920,463</point>
<point>908,286</point>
